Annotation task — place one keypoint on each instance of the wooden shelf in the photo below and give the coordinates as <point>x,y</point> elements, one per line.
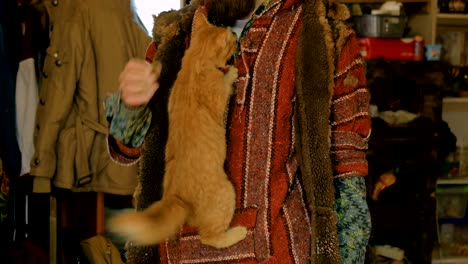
<point>452,22</point>
<point>456,100</point>
<point>460,181</point>
<point>452,16</point>
<point>453,260</point>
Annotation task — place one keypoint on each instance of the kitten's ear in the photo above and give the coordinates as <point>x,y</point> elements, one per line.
<point>199,21</point>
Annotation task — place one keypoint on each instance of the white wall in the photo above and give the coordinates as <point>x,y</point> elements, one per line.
<point>147,8</point>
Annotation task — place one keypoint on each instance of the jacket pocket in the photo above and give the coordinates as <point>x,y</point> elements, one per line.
<point>188,248</point>
<point>109,176</point>
<point>55,59</point>
<point>66,151</point>
<point>100,250</point>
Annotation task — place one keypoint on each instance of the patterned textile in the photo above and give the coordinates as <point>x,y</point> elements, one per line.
<point>354,222</point>
<point>4,194</point>
<point>269,196</point>
<point>350,133</point>
<point>129,125</point>
<point>350,130</point>
<point>350,118</point>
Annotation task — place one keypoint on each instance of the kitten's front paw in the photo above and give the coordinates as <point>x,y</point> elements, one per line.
<point>231,75</point>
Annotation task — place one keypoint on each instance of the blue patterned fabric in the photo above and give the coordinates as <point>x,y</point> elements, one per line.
<point>354,223</point>
<point>129,125</point>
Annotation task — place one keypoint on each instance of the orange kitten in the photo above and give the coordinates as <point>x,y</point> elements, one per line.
<point>197,190</point>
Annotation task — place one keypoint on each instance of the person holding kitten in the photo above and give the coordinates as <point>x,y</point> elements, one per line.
<point>297,127</point>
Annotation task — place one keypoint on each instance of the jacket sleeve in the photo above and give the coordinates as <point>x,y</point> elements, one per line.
<point>354,222</point>
<point>351,128</point>
<point>128,126</point>
<point>127,130</point>
<point>61,72</point>
<point>350,119</point>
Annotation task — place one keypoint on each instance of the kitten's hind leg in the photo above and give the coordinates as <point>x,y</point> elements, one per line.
<point>226,238</point>
<point>215,216</point>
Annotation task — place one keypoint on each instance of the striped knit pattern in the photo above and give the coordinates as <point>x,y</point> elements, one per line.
<point>268,193</point>
<point>350,118</point>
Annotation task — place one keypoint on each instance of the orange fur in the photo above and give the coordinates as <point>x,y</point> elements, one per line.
<point>197,190</point>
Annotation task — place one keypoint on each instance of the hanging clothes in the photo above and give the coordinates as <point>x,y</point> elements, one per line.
<point>10,161</point>
<point>5,211</point>
<point>4,194</point>
<point>90,44</point>
<point>26,104</point>
<point>34,41</point>
<point>10,36</point>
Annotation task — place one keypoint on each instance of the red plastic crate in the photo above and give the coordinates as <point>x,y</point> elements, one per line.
<point>392,48</point>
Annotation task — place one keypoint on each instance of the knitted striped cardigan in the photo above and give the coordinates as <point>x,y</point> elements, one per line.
<point>329,119</point>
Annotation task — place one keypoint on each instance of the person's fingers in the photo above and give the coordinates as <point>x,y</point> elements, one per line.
<point>135,95</point>
<point>138,82</point>
<point>136,67</point>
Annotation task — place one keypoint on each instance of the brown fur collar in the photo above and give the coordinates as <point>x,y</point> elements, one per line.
<point>172,23</point>
<point>316,57</point>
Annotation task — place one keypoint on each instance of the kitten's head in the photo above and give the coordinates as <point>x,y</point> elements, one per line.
<point>212,43</point>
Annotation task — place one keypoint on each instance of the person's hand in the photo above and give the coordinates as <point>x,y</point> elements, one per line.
<point>138,82</point>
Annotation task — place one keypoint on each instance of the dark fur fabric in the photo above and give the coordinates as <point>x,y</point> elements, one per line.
<point>170,53</point>
<point>312,120</point>
<point>320,40</point>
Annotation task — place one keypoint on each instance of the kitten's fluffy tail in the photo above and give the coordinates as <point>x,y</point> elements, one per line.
<point>160,221</point>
